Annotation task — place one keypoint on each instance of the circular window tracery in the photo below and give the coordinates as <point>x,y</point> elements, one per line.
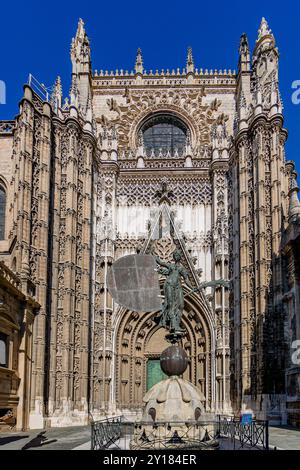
<point>164,136</point>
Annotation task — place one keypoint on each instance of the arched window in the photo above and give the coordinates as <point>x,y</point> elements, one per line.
<point>164,135</point>
<point>2,212</point>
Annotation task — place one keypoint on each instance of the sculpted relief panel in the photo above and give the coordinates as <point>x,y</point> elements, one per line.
<point>127,115</point>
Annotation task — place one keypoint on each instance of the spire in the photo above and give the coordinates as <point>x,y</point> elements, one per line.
<point>81,70</point>
<point>265,70</point>
<point>80,50</point>
<point>139,62</point>
<point>244,50</point>
<point>190,68</point>
<point>244,45</point>
<point>264,30</point>
<point>294,204</point>
<point>80,33</point>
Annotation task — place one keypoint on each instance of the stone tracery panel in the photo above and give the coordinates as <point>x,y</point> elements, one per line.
<point>144,191</point>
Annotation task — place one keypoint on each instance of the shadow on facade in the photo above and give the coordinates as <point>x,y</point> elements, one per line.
<point>267,336</point>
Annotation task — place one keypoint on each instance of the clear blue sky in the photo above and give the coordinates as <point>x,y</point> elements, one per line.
<point>36,36</point>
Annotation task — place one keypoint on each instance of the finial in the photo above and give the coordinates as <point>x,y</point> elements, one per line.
<point>80,50</point>
<point>56,96</point>
<point>244,44</point>
<point>80,33</point>
<point>264,29</point>
<point>139,62</point>
<point>80,37</point>
<point>244,51</point>
<point>74,91</point>
<point>190,67</point>
<point>294,204</point>
<point>57,85</point>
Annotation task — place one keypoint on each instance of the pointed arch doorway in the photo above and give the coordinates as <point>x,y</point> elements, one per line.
<point>138,344</point>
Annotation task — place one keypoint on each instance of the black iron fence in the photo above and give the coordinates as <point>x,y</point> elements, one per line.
<point>245,435</point>
<point>105,432</point>
<point>224,432</point>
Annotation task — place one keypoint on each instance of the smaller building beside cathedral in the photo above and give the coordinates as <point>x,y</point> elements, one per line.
<point>149,161</point>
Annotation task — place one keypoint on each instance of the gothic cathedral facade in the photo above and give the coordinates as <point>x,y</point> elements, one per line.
<point>149,162</point>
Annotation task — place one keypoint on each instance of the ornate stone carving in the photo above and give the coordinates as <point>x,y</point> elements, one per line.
<point>193,190</point>
<point>198,240</point>
<point>187,104</point>
<point>164,248</point>
<point>220,229</point>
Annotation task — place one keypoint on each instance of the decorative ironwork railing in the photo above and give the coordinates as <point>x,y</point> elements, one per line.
<point>223,432</point>
<point>39,88</point>
<point>253,435</point>
<point>105,432</point>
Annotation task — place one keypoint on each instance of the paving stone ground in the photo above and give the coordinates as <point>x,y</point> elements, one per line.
<point>78,438</point>
<point>49,439</point>
<point>285,437</point>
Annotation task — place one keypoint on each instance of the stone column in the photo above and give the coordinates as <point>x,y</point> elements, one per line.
<point>103,334</point>
<point>219,170</point>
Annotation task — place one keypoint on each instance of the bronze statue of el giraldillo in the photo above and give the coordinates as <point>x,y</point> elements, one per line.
<point>172,309</point>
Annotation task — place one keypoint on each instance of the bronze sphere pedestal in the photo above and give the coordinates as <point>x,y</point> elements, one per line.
<point>173,360</point>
